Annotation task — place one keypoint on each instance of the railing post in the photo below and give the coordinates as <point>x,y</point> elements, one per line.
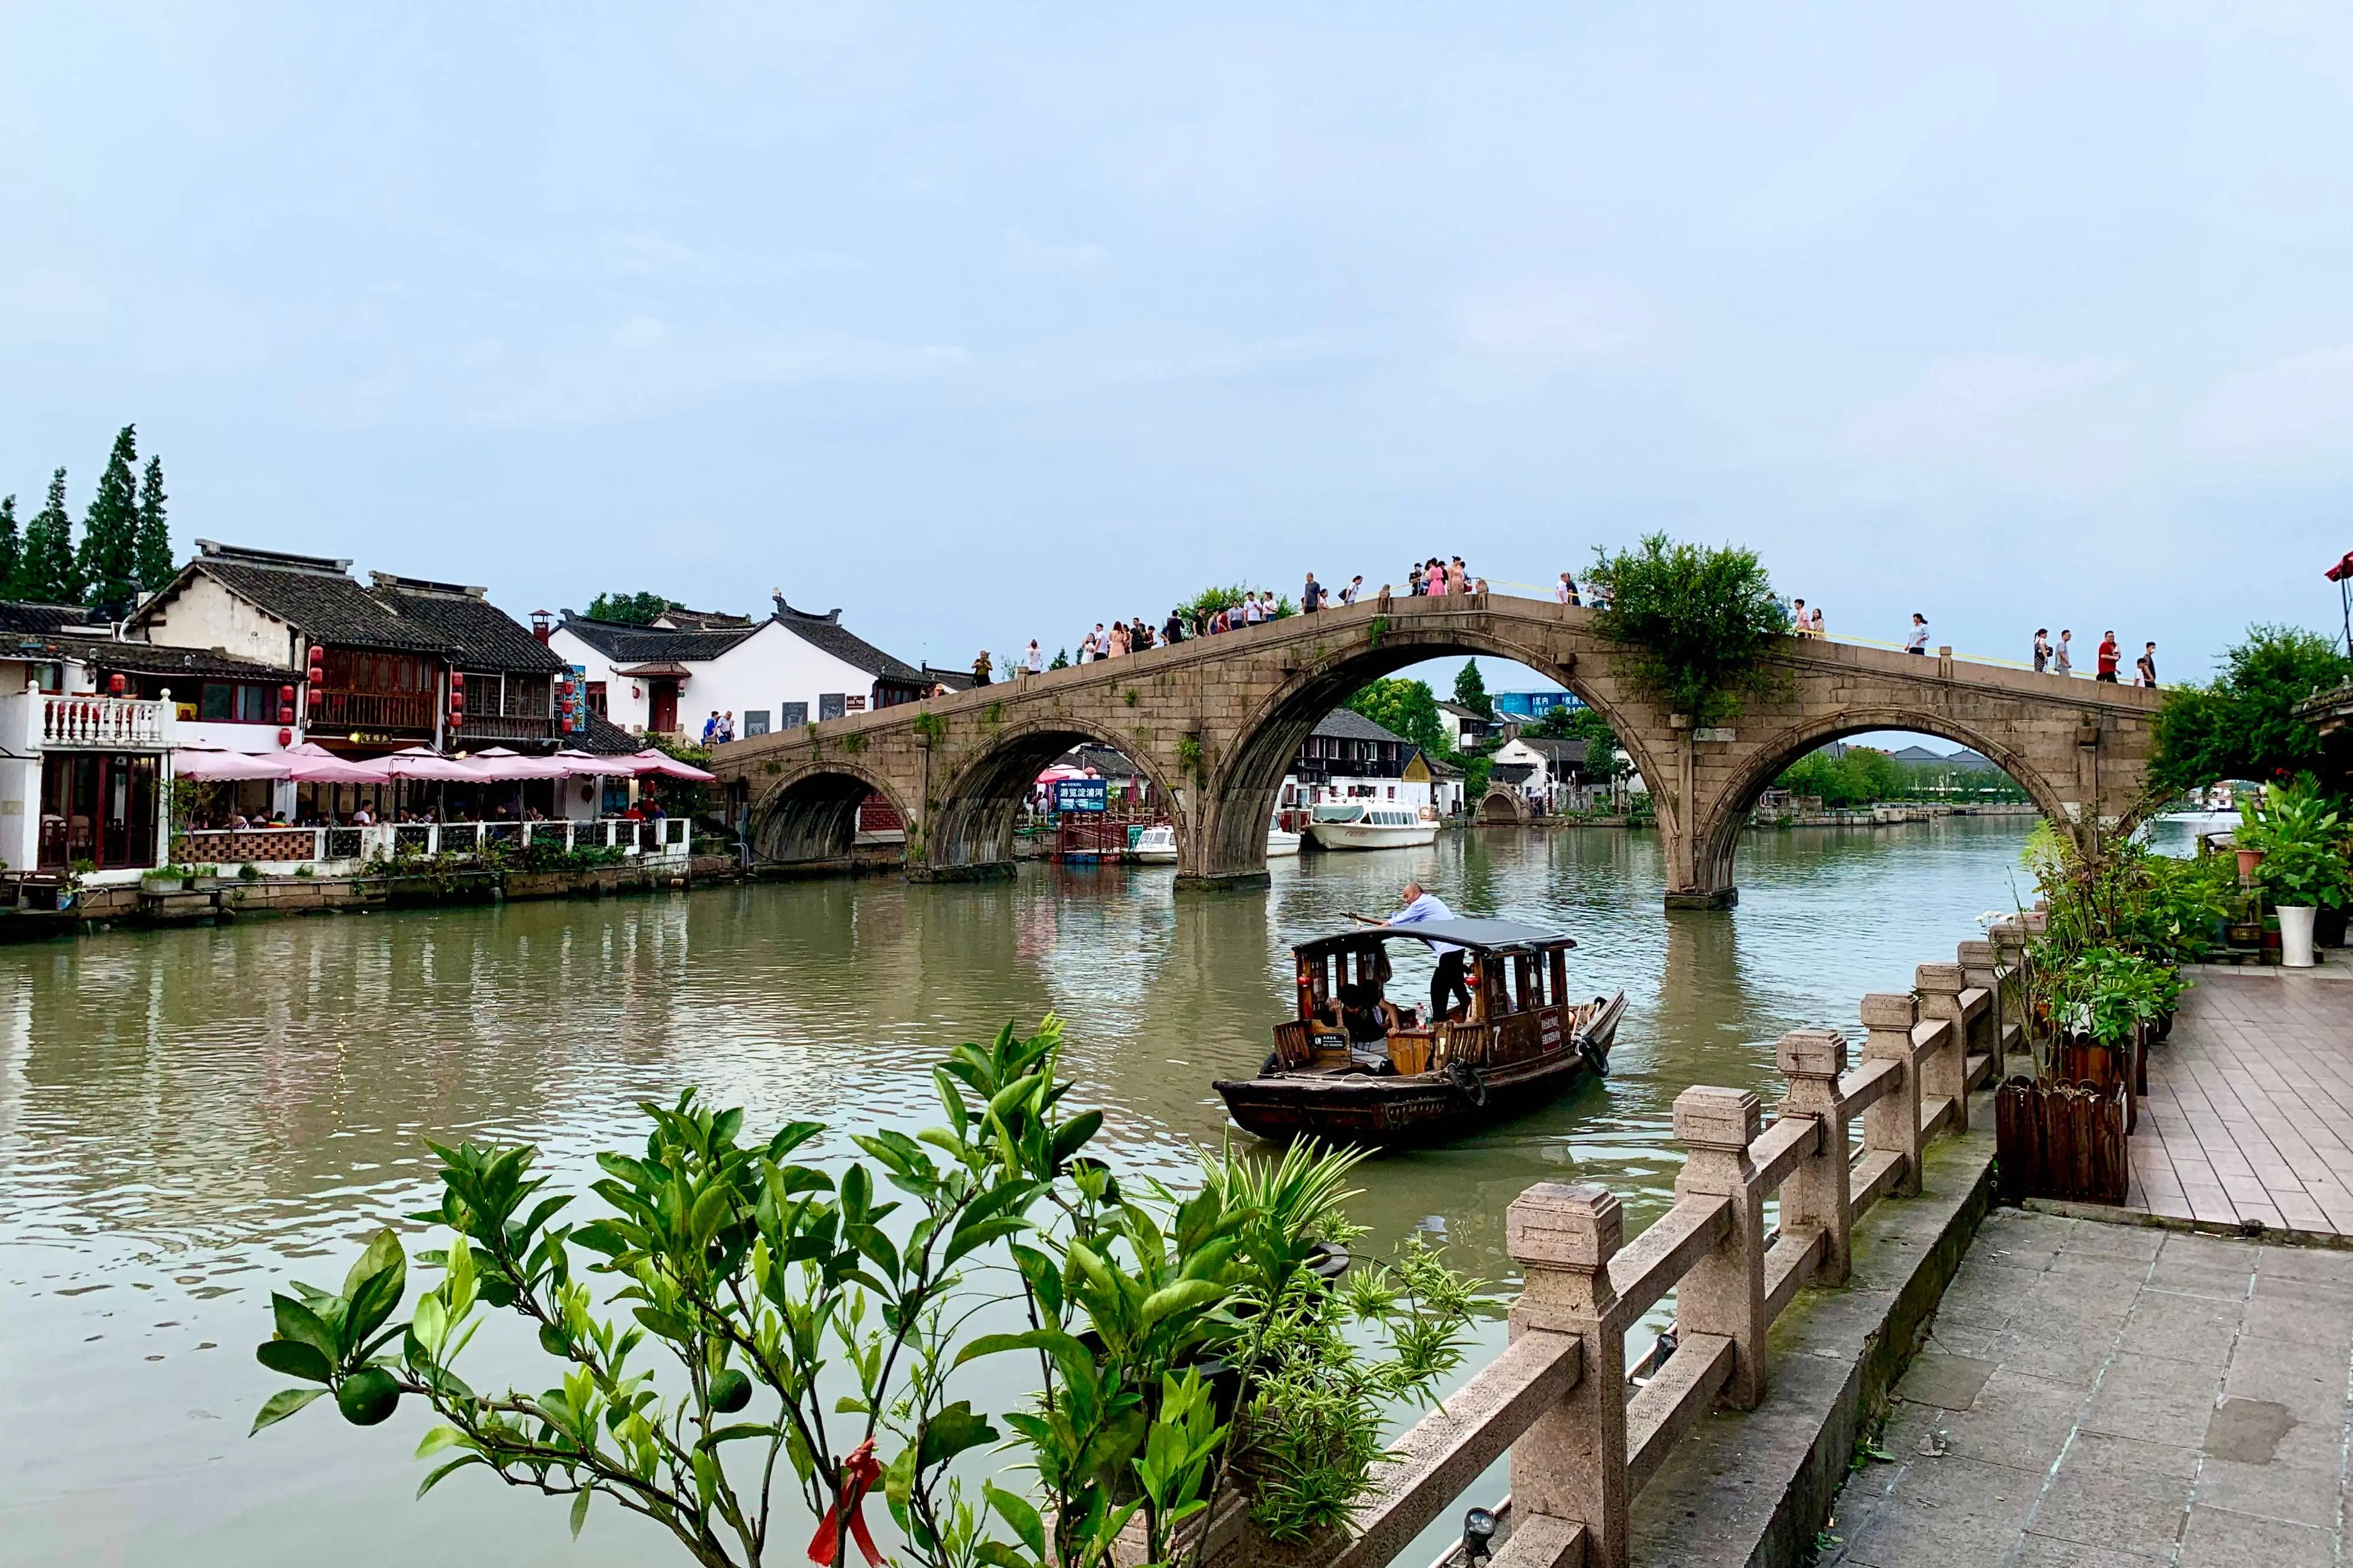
<point>1947,1070</point>
<point>1893,1123</point>
<point>1572,1463</point>
<point>1978,973</point>
<point>1725,1292</point>
<point>1817,1194</point>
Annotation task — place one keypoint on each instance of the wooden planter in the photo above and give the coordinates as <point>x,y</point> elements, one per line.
<point>2081,1059</point>
<point>2063,1140</point>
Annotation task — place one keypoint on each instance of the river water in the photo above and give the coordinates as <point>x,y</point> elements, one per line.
<point>189,1118</point>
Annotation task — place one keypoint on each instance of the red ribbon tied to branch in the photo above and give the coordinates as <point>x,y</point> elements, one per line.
<point>859,1474</point>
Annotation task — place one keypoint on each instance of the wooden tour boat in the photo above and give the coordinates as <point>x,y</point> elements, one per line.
<point>1519,1044</point>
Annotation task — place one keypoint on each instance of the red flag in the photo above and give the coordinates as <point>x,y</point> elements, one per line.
<point>859,1474</point>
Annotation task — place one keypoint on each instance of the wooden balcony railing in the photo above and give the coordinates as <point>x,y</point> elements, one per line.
<point>338,710</point>
<point>1584,1438</point>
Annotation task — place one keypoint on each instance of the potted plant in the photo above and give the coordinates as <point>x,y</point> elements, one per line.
<point>163,879</point>
<point>2302,839</point>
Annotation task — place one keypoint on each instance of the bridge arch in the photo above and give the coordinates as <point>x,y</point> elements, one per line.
<point>810,813</point>
<point>1719,831</point>
<point>1241,787</point>
<point>974,810</point>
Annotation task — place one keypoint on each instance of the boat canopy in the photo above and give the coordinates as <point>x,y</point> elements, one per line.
<point>1478,935</point>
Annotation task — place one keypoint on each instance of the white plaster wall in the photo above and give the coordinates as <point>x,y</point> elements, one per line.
<point>205,615</point>
<point>767,670</point>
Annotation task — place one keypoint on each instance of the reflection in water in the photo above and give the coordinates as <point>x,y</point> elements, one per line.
<point>188,1118</point>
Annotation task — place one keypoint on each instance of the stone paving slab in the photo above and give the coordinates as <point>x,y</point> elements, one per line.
<point>2195,1411</point>
<point>2248,1116</point>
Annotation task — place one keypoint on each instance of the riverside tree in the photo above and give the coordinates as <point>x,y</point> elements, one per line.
<point>11,549</point>
<point>151,550</point>
<point>2243,725</point>
<point>49,574</point>
<point>630,609</point>
<point>1406,708</point>
<point>109,560</point>
<point>1471,689</point>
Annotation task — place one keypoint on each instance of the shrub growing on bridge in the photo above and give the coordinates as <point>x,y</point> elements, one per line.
<point>1696,620</point>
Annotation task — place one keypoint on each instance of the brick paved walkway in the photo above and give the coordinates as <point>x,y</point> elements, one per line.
<point>2250,1108</point>
<point>2112,1396</point>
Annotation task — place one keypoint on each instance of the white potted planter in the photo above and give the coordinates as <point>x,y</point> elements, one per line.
<point>2296,936</point>
<point>161,881</point>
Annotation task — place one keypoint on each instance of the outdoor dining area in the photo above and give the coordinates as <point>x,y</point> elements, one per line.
<point>241,811</point>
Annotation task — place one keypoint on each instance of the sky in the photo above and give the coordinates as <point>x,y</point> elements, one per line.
<point>990,322</point>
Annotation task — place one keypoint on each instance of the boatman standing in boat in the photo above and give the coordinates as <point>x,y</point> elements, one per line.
<point>1448,983</point>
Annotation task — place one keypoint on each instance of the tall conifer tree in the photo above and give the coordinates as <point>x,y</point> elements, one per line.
<point>110,533</point>
<point>51,575</point>
<point>154,545</point>
<point>12,550</point>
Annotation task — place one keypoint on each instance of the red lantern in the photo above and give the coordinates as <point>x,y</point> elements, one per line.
<point>317,679</point>
<point>456,680</point>
<point>114,685</point>
<point>318,656</point>
<point>285,737</point>
<point>457,720</point>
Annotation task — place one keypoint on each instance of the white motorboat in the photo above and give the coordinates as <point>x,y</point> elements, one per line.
<point>1155,847</point>
<point>1362,824</point>
<point>1280,841</point>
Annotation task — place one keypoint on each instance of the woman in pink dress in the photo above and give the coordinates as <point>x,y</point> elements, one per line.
<point>1437,578</point>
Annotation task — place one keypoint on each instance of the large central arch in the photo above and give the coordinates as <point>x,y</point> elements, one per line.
<point>1719,834</point>
<point>1242,787</point>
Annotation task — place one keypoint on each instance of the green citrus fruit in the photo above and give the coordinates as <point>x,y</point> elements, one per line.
<point>367,1396</point>
<point>729,1392</point>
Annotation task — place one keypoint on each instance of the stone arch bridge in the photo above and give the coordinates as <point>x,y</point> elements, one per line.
<point>1216,721</point>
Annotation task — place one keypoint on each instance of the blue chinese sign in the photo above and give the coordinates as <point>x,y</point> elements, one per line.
<point>1081,795</point>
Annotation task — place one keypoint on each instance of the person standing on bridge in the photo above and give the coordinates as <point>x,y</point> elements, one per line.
<point>1034,660</point>
<point>1918,641</point>
<point>1566,592</point>
<point>1417,580</point>
<point>980,668</point>
<point>1355,586</point>
<point>2110,654</point>
<point>1434,574</point>
<point>2062,661</point>
<point>1798,618</point>
<point>2041,649</point>
<point>1311,597</point>
<point>1457,580</point>
<point>1252,612</point>
<point>2148,665</point>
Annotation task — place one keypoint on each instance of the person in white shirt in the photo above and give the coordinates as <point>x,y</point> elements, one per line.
<point>1252,612</point>
<point>1449,982</point>
<point>1918,641</point>
<point>1355,586</point>
<point>1035,663</point>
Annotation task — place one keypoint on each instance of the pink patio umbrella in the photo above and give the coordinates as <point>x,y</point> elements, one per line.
<point>506,766</point>
<point>211,765</point>
<point>313,763</point>
<point>418,762</point>
<point>661,764</point>
<point>589,762</point>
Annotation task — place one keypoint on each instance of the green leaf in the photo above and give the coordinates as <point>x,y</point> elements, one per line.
<point>382,1252</point>
<point>299,1322</point>
<point>383,1275</point>
<point>435,1440</point>
<point>580,1503</point>
<point>1017,1514</point>
<point>430,1482</point>
<point>281,1404</point>
<point>950,1432</point>
<point>1073,1135</point>
<point>295,1359</point>
<point>1185,1296</point>
<point>1065,1348</point>
<point>969,1237</point>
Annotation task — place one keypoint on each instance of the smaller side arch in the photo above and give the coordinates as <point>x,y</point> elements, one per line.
<point>1501,807</point>
<point>811,812</point>
<point>1727,813</point>
<point>974,808</point>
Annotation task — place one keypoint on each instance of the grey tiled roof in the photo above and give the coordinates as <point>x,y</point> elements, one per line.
<point>827,633</point>
<point>1348,725</point>
<point>23,615</point>
<point>325,606</point>
<point>106,655</point>
<point>627,644</point>
<point>481,636</point>
<point>1555,749</point>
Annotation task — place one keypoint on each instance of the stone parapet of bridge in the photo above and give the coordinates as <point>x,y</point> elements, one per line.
<point>1216,722</point>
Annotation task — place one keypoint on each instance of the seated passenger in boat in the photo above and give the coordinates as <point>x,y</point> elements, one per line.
<point>1366,1017</point>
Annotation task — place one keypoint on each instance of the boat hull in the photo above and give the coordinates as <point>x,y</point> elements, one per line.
<point>1278,842</point>
<point>1362,836</point>
<point>1398,1112</point>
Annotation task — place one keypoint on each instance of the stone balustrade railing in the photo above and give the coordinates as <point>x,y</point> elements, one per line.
<point>284,846</point>
<point>1583,1439</point>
